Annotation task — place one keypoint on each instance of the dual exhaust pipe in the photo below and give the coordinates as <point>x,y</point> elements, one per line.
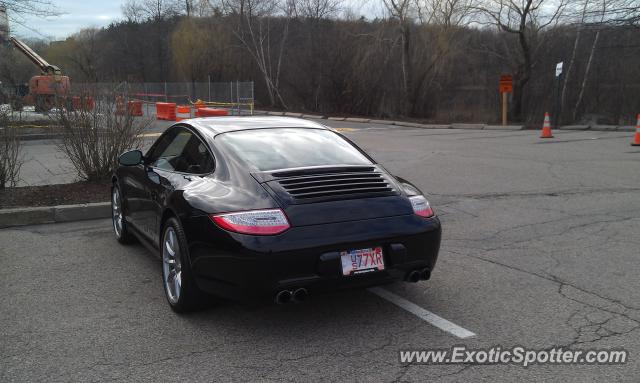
<point>418,275</point>
<point>288,296</point>
<point>300,294</point>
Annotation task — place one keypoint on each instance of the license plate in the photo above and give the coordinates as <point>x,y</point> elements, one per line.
<point>362,261</point>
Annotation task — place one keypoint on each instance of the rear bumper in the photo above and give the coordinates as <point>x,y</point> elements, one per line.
<point>238,266</point>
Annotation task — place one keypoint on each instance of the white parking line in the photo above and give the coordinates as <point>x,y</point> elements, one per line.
<point>423,314</point>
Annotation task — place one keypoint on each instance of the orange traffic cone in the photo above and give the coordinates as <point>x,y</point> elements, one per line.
<point>546,128</point>
<point>636,140</point>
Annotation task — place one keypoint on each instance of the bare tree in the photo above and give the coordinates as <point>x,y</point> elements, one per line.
<point>311,58</point>
<point>592,51</point>
<point>16,10</point>
<point>256,29</point>
<point>194,42</point>
<point>445,13</point>
<point>133,11</point>
<point>156,10</point>
<point>189,7</point>
<point>15,68</point>
<point>411,15</point>
<point>93,139</point>
<point>401,10</point>
<point>616,12</point>
<point>41,8</point>
<point>83,53</point>
<point>574,52</point>
<point>317,9</point>
<point>203,8</point>
<point>524,19</point>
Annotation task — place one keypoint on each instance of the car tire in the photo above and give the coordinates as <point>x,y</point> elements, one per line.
<point>118,221</point>
<point>181,291</point>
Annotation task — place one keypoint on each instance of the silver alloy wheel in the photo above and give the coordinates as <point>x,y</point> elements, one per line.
<point>116,212</point>
<point>172,268</point>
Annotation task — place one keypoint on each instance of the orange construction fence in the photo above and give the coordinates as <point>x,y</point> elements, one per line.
<point>120,105</point>
<point>83,103</point>
<point>135,108</point>
<point>211,112</point>
<point>183,112</point>
<point>166,111</point>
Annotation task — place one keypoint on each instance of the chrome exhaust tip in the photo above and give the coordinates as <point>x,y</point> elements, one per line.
<point>283,297</point>
<point>413,276</point>
<point>300,295</point>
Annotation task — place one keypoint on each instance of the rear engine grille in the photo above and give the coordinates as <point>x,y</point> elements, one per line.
<point>337,185</point>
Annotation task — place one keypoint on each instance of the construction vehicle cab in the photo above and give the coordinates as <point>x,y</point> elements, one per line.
<point>47,89</point>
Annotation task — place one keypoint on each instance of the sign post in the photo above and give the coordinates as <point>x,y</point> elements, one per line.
<point>506,86</point>
<point>559,68</point>
<point>556,102</point>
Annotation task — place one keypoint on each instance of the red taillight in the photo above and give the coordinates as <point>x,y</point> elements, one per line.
<point>421,206</point>
<point>256,222</point>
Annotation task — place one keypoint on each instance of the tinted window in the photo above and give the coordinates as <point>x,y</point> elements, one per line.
<point>160,146</point>
<point>282,148</point>
<point>182,152</point>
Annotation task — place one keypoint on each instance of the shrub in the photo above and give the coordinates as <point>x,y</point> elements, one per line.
<point>10,151</point>
<point>93,139</point>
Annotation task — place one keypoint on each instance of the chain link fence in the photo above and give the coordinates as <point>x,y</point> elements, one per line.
<point>236,97</point>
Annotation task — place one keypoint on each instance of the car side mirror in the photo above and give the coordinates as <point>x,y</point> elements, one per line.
<point>131,158</point>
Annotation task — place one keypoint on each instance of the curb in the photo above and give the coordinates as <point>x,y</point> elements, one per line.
<point>53,214</point>
<point>467,126</point>
<point>575,127</point>
<point>435,126</point>
<point>430,126</point>
<point>383,122</point>
<point>599,128</point>
<point>629,129</point>
<point>354,119</point>
<point>314,116</point>
<point>409,124</point>
<point>505,127</point>
<point>604,128</point>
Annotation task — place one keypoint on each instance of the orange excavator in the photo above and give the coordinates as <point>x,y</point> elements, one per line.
<point>48,89</point>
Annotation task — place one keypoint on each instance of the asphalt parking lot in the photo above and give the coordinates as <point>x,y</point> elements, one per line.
<point>540,249</point>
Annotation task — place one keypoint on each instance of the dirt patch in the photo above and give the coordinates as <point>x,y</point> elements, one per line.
<point>52,195</point>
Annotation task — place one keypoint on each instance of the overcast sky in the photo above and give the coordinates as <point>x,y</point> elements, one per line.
<point>77,14</point>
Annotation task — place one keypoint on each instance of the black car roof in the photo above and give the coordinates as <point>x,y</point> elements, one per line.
<point>212,126</point>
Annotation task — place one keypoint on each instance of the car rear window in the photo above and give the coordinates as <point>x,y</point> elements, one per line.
<point>283,148</point>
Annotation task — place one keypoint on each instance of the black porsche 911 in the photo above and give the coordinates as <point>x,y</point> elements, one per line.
<point>250,207</point>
